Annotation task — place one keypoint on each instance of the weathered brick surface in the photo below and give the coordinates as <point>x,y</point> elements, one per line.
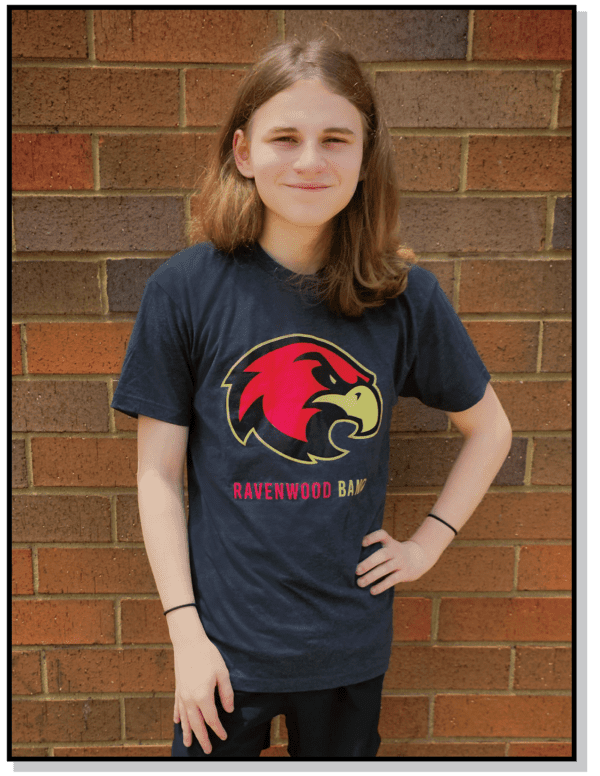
<point>468,569</point>
<point>412,618</point>
<point>466,99</point>
<point>99,670</point>
<point>427,163</point>
<point>183,35</point>
<point>85,720</point>
<point>113,751</point>
<point>95,97</point>
<point>410,414</point>
<point>386,35</point>
<point>55,288</point>
<point>562,233</point>
<point>19,464</point>
<point>522,34</point>
<point>149,718</point>
<point>60,519</point>
<point>403,716</point>
<point>546,749</point>
<point>537,406</point>
<point>123,422</point>
<point>473,224</point>
<point>427,462</point>
<point>508,286</point>
<point>29,751</point>
<point>444,272</point>
<point>126,279</point>
<point>16,359</point>
<point>505,619</point>
<point>557,346</point>
<point>47,34</point>
<point>565,106</point>
<point>51,162</point>
<point>545,568</point>
<point>63,622</point>
<point>143,622</point>
<point>22,572</point>
<point>77,348</point>
<point>153,161</point>
<point>438,750</point>
<point>528,163</point>
<point>129,528</point>
<point>94,571</point>
<point>84,462</point>
<point>209,95</point>
<point>501,715</point>
<point>543,668</point>
<point>448,668</point>
<point>26,676</point>
<point>552,461</point>
<point>99,224</point>
<point>59,406</point>
<point>505,346</point>
<point>196,232</point>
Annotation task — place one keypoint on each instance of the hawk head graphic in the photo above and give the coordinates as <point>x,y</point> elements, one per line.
<point>291,391</point>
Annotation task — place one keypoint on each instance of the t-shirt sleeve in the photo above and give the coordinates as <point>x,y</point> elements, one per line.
<point>447,372</point>
<point>156,378</point>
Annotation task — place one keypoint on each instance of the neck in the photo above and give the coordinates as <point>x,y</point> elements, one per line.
<point>295,248</point>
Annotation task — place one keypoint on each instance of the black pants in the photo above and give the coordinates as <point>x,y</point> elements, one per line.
<point>341,722</point>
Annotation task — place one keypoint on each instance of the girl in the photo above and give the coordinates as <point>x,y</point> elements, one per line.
<point>272,357</point>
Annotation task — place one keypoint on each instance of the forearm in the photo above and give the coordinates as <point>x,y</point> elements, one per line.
<point>164,529</point>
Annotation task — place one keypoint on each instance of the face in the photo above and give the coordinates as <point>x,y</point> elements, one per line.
<point>304,152</point>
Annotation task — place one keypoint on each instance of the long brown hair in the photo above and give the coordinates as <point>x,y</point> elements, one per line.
<point>365,263</point>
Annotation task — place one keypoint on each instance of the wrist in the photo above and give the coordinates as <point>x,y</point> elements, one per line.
<point>185,626</point>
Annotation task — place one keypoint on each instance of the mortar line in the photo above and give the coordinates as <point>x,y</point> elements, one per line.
<point>556,84</point>
<point>529,451</point>
<point>550,209</point>
<point>95,160</point>
<point>182,99</point>
<point>463,169</point>
<point>470,35</point>
<point>89,23</point>
<point>538,364</point>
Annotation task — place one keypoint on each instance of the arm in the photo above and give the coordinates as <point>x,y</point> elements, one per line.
<point>199,666</point>
<point>488,435</point>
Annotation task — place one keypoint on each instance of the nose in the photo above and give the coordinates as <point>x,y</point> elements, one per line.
<point>309,157</point>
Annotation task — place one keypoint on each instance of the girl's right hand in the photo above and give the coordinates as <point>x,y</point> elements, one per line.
<point>199,666</point>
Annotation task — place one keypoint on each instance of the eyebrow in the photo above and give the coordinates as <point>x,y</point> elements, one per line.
<point>338,130</point>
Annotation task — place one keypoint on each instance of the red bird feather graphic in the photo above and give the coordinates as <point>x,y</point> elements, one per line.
<point>290,392</point>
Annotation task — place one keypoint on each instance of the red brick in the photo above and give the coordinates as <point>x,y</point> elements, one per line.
<point>29,751</point>
<point>17,364</point>
<point>536,406</point>
<point>96,96</point>
<point>113,751</point>
<point>129,527</point>
<point>545,749</point>
<point>506,286</point>
<point>47,34</point>
<point>59,406</point>
<point>63,622</point>
<point>427,163</point>
<point>473,224</point>
<point>473,99</point>
<point>557,346</point>
<point>209,95</point>
<point>55,288</point>
<point>565,106</point>
<point>26,674</point>
<point>412,619</point>
<point>143,622</point>
<point>85,720</point>
<point>196,233</point>
<point>95,570</point>
<point>22,572</point>
<point>77,348</point>
<point>436,750</point>
<point>522,34</point>
<point>501,715</point>
<point>149,718</point>
<point>552,461</point>
<point>411,415</point>
<point>109,670</point>
<point>153,161</point>
<point>543,668</point>
<point>448,668</point>
<point>506,346</point>
<point>508,163</point>
<point>468,569</point>
<point>19,464</point>
<point>505,619</point>
<point>403,716</point>
<point>545,567</point>
<point>51,162</point>
<point>93,462</point>
<point>183,35</point>
<point>61,519</point>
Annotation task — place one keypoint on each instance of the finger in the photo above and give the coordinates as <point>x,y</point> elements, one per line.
<point>379,556</point>
<point>392,580</point>
<point>379,571</point>
<point>185,728</point>
<point>176,716</point>
<point>225,691</point>
<point>199,728</point>
<point>376,536</point>
<point>211,717</point>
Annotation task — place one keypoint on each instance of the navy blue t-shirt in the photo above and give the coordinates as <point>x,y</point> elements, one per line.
<point>289,409</point>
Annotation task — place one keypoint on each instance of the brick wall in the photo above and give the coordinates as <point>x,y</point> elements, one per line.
<point>114,112</point>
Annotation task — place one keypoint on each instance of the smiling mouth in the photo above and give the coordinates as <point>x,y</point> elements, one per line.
<point>314,187</point>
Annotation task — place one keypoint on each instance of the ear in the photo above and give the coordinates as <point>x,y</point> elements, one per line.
<point>241,153</point>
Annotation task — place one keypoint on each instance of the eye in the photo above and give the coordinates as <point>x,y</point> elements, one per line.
<point>335,140</point>
<point>285,139</point>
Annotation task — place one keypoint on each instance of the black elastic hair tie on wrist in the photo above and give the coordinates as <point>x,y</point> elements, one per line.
<point>178,607</point>
<point>444,522</point>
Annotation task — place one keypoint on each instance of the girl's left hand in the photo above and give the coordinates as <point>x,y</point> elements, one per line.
<point>402,561</point>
